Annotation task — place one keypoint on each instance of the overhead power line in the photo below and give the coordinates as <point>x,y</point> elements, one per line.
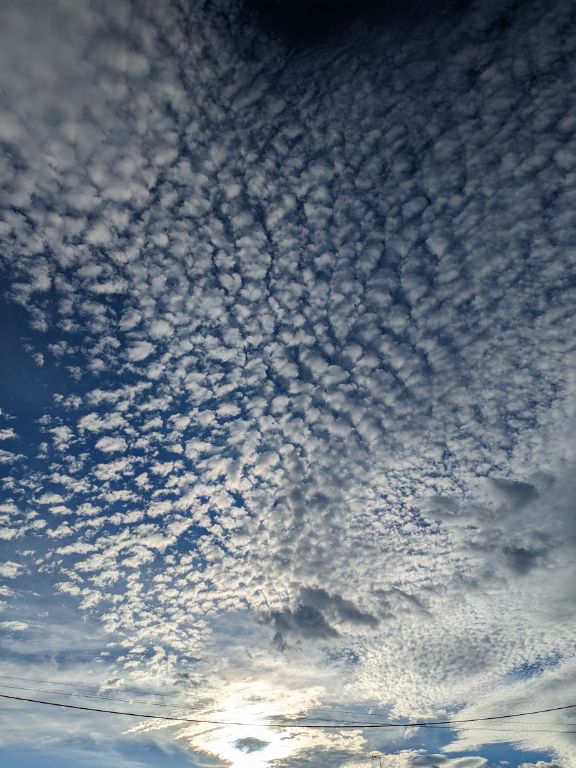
<point>24,685</point>
<point>179,705</point>
<point>94,690</point>
<point>74,683</point>
<point>98,697</point>
<point>286,723</point>
<point>293,722</point>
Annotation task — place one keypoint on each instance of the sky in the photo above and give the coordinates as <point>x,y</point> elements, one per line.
<point>288,391</point>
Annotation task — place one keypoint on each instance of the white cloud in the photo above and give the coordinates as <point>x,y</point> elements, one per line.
<point>140,351</point>
<point>160,329</point>
<point>50,498</point>
<point>435,761</point>
<point>14,626</point>
<point>108,287</point>
<point>111,444</point>
<point>93,422</point>
<point>8,457</point>
<point>351,435</point>
<point>9,569</point>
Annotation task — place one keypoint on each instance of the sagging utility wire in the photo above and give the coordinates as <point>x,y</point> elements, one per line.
<point>98,697</point>
<point>287,724</point>
<point>186,704</point>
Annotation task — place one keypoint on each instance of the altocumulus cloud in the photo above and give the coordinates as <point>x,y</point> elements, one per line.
<point>307,324</point>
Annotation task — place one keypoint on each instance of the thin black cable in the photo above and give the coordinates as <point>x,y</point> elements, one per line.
<point>296,721</point>
<point>504,730</point>
<point>448,726</point>
<point>164,695</point>
<point>87,687</point>
<point>145,693</point>
<point>499,717</point>
<point>127,714</point>
<point>287,724</point>
<point>354,723</point>
<point>96,696</point>
<point>154,717</point>
<point>142,693</point>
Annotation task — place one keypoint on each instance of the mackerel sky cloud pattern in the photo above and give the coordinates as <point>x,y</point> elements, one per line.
<point>289,393</point>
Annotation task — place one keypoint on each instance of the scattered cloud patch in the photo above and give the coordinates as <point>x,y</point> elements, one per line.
<point>111,444</point>
<point>309,319</point>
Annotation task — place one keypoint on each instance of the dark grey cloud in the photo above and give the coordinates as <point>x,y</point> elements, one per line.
<point>514,492</point>
<point>346,610</point>
<point>310,24</point>
<point>522,559</point>
<point>305,621</point>
<point>311,618</point>
<point>250,745</point>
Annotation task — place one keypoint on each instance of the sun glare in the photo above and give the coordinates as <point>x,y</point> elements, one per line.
<point>257,744</point>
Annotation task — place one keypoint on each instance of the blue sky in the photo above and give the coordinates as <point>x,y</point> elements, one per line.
<point>288,403</point>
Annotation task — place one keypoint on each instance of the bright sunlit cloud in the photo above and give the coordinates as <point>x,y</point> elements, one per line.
<point>256,742</point>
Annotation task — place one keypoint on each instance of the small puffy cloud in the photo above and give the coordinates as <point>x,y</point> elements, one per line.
<point>139,351</point>
<point>62,437</point>
<point>8,457</point>
<point>94,422</point>
<point>10,570</point>
<point>160,329</point>
<point>109,287</point>
<point>99,234</point>
<point>228,410</point>
<point>14,626</point>
<point>113,470</point>
<point>7,534</point>
<point>110,444</point>
<point>50,498</point>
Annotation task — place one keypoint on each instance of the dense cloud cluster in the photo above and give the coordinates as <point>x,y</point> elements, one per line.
<point>308,319</point>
